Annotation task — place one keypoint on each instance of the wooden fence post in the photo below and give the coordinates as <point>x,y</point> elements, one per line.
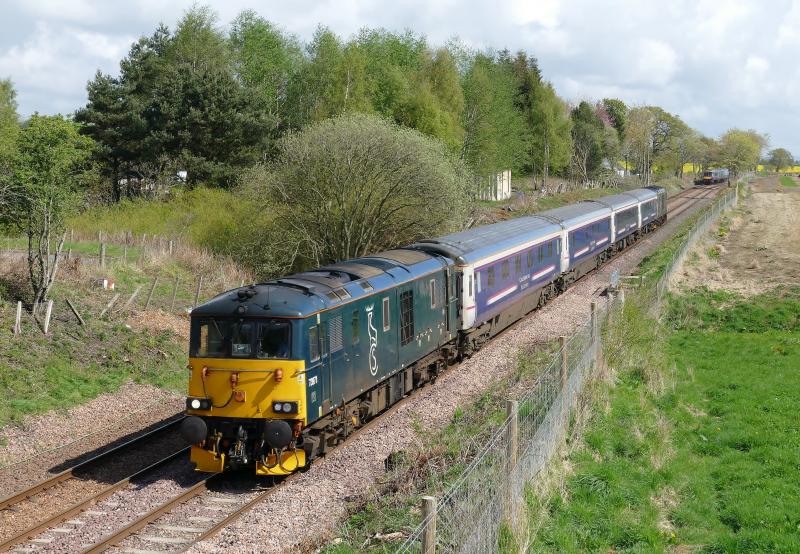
<point>512,450</point>
<point>75,311</point>
<point>102,254</point>
<point>594,324</point>
<point>125,253</point>
<point>150,293</point>
<point>197,292</point>
<point>48,313</point>
<point>109,305</point>
<point>132,298</point>
<point>72,235</point>
<point>69,254</point>
<point>174,295</point>
<point>429,516</point>
<point>18,320</point>
<point>171,248</point>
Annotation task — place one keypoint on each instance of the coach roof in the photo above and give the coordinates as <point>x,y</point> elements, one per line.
<point>479,242</point>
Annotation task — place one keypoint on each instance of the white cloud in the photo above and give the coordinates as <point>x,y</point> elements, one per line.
<point>716,63</point>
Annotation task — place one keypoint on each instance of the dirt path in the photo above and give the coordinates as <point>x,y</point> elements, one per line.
<point>755,249</point>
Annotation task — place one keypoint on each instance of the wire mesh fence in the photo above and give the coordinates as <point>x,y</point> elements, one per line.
<point>490,492</point>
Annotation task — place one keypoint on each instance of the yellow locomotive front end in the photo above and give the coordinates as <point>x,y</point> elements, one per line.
<point>246,402</point>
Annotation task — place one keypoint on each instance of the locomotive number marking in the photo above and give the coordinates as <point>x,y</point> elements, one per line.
<point>313,380</point>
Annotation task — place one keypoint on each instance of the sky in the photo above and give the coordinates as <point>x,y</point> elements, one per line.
<point>715,63</point>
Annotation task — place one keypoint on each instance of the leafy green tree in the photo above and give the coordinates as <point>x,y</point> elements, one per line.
<point>588,138</point>
<point>618,114</point>
<point>357,184</point>
<point>9,119</point>
<point>780,158</point>
<point>9,130</point>
<point>551,137</point>
<point>48,170</point>
<point>494,130</point>
<point>740,150</point>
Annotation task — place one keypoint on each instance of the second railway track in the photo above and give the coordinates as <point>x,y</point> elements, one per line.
<point>50,502</point>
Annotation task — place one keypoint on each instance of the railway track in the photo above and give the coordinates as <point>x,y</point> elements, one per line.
<point>685,199</point>
<point>206,507</point>
<point>52,501</point>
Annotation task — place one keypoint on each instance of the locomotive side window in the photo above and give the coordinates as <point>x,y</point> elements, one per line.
<point>313,344</point>
<point>432,292</point>
<point>209,339</point>
<point>273,339</point>
<point>386,321</point>
<point>407,317</point>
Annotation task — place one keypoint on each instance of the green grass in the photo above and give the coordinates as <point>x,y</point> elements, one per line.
<point>707,463</point>
<point>76,364</point>
<point>203,216</point>
<point>431,467</point>
<point>787,181</point>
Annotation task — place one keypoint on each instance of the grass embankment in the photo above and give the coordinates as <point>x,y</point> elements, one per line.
<point>76,363</point>
<point>698,452</point>
<point>787,181</point>
<point>434,463</point>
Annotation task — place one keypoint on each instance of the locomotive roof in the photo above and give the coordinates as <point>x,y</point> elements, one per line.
<point>305,293</point>
<point>474,244</point>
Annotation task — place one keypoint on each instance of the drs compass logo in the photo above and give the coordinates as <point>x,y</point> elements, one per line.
<point>373,341</point>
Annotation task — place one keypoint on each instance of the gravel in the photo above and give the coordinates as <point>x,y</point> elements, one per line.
<point>307,509</point>
<point>47,444</point>
<point>119,509</point>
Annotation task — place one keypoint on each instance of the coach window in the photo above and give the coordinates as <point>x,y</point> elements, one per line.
<point>506,268</point>
<point>518,264</point>
<point>530,259</point>
<point>313,344</point>
<point>490,277</point>
<point>386,322</point>
<point>541,253</point>
<point>549,248</point>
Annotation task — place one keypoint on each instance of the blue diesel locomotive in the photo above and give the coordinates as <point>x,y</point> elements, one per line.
<point>284,370</point>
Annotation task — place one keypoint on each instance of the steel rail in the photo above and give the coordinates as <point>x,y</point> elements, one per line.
<point>87,503</point>
<point>202,486</point>
<point>45,484</point>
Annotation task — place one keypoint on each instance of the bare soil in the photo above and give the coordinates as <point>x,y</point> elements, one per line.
<point>755,249</point>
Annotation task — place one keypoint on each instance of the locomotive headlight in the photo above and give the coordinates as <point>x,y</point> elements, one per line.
<point>198,403</point>
<point>285,407</point>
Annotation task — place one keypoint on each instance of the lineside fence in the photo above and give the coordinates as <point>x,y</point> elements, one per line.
<point>489,494</point>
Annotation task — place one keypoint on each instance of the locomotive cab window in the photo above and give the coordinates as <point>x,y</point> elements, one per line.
<point>273,339</point>
<point>208,339</point>
<point>242,339</point>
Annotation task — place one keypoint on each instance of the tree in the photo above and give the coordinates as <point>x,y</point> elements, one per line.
<point>618,114</point>
<point>551,138</point>
<point>47,172</point>
<point>780,158</point>
<point>356,184</point>
<point>740,150</point>
<point>588,138</point>
<point>9,130</point>
<point>494,130</point>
